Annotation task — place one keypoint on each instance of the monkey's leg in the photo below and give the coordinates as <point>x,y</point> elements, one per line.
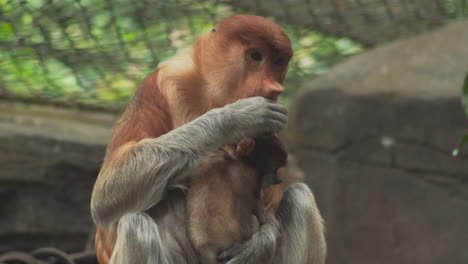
<point>260,248</point>
<point>302,229</point>
<point>138,241</point>
<point>302,234</point>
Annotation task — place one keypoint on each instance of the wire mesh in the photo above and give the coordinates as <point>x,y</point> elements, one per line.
<point>96,51</point>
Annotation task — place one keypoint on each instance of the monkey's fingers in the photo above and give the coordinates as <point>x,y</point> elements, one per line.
<point>279,117</point>
<point>230,253</point>
<point>278,108</point>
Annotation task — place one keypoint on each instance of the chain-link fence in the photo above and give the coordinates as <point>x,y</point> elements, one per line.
<point>96,51</point>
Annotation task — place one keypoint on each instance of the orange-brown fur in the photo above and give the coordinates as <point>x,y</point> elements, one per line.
<point>196,81</point>
<point>104,245</point>
<point>225,194</point>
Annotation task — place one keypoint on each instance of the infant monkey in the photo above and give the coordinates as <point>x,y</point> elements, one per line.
<point>224,200</point>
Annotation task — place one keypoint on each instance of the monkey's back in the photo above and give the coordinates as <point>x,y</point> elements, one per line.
<point>220,202</point>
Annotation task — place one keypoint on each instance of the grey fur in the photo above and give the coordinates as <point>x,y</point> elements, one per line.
<point>138,241</point>
<point>300,221</point>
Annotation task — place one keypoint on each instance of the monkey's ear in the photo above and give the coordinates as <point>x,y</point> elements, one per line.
<point>245,147</point>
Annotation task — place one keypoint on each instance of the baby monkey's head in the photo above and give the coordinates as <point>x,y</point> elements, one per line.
<point>266,154</point>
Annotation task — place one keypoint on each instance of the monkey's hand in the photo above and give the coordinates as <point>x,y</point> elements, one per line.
<point>253,116</point>
<point>247,117</point>
<point>260,248</point>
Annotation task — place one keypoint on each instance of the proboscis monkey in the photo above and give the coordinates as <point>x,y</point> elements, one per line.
<point>224,200</point>
<point>219,91</point>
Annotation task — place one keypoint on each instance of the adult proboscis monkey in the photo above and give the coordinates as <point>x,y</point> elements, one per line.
<point>222,89</point>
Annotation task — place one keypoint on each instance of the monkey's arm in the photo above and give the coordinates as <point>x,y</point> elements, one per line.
<point>137,174</point>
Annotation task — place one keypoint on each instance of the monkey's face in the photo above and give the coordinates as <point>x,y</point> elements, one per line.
<point>266,153</point>
<point>251,58</point>
<point>263,71</point>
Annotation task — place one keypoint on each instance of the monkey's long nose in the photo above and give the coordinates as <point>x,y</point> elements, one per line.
<point>272,89</point>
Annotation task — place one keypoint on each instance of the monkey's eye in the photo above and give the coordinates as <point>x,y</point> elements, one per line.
<point>256,55</point>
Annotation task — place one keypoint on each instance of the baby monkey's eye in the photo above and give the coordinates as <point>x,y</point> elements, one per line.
<point>256,55</point>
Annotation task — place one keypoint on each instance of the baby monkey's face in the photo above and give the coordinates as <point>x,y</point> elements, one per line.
<point>266,153</point>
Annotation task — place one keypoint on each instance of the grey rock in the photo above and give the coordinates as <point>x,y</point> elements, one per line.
<point>374,137</point>
<point>49,160</point>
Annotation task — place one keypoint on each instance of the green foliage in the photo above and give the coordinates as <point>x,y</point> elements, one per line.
<point>461,143</point>
<point>457,9</point>
<point>96,51</point>
<point>463,140</point>
<point>465,95</point>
